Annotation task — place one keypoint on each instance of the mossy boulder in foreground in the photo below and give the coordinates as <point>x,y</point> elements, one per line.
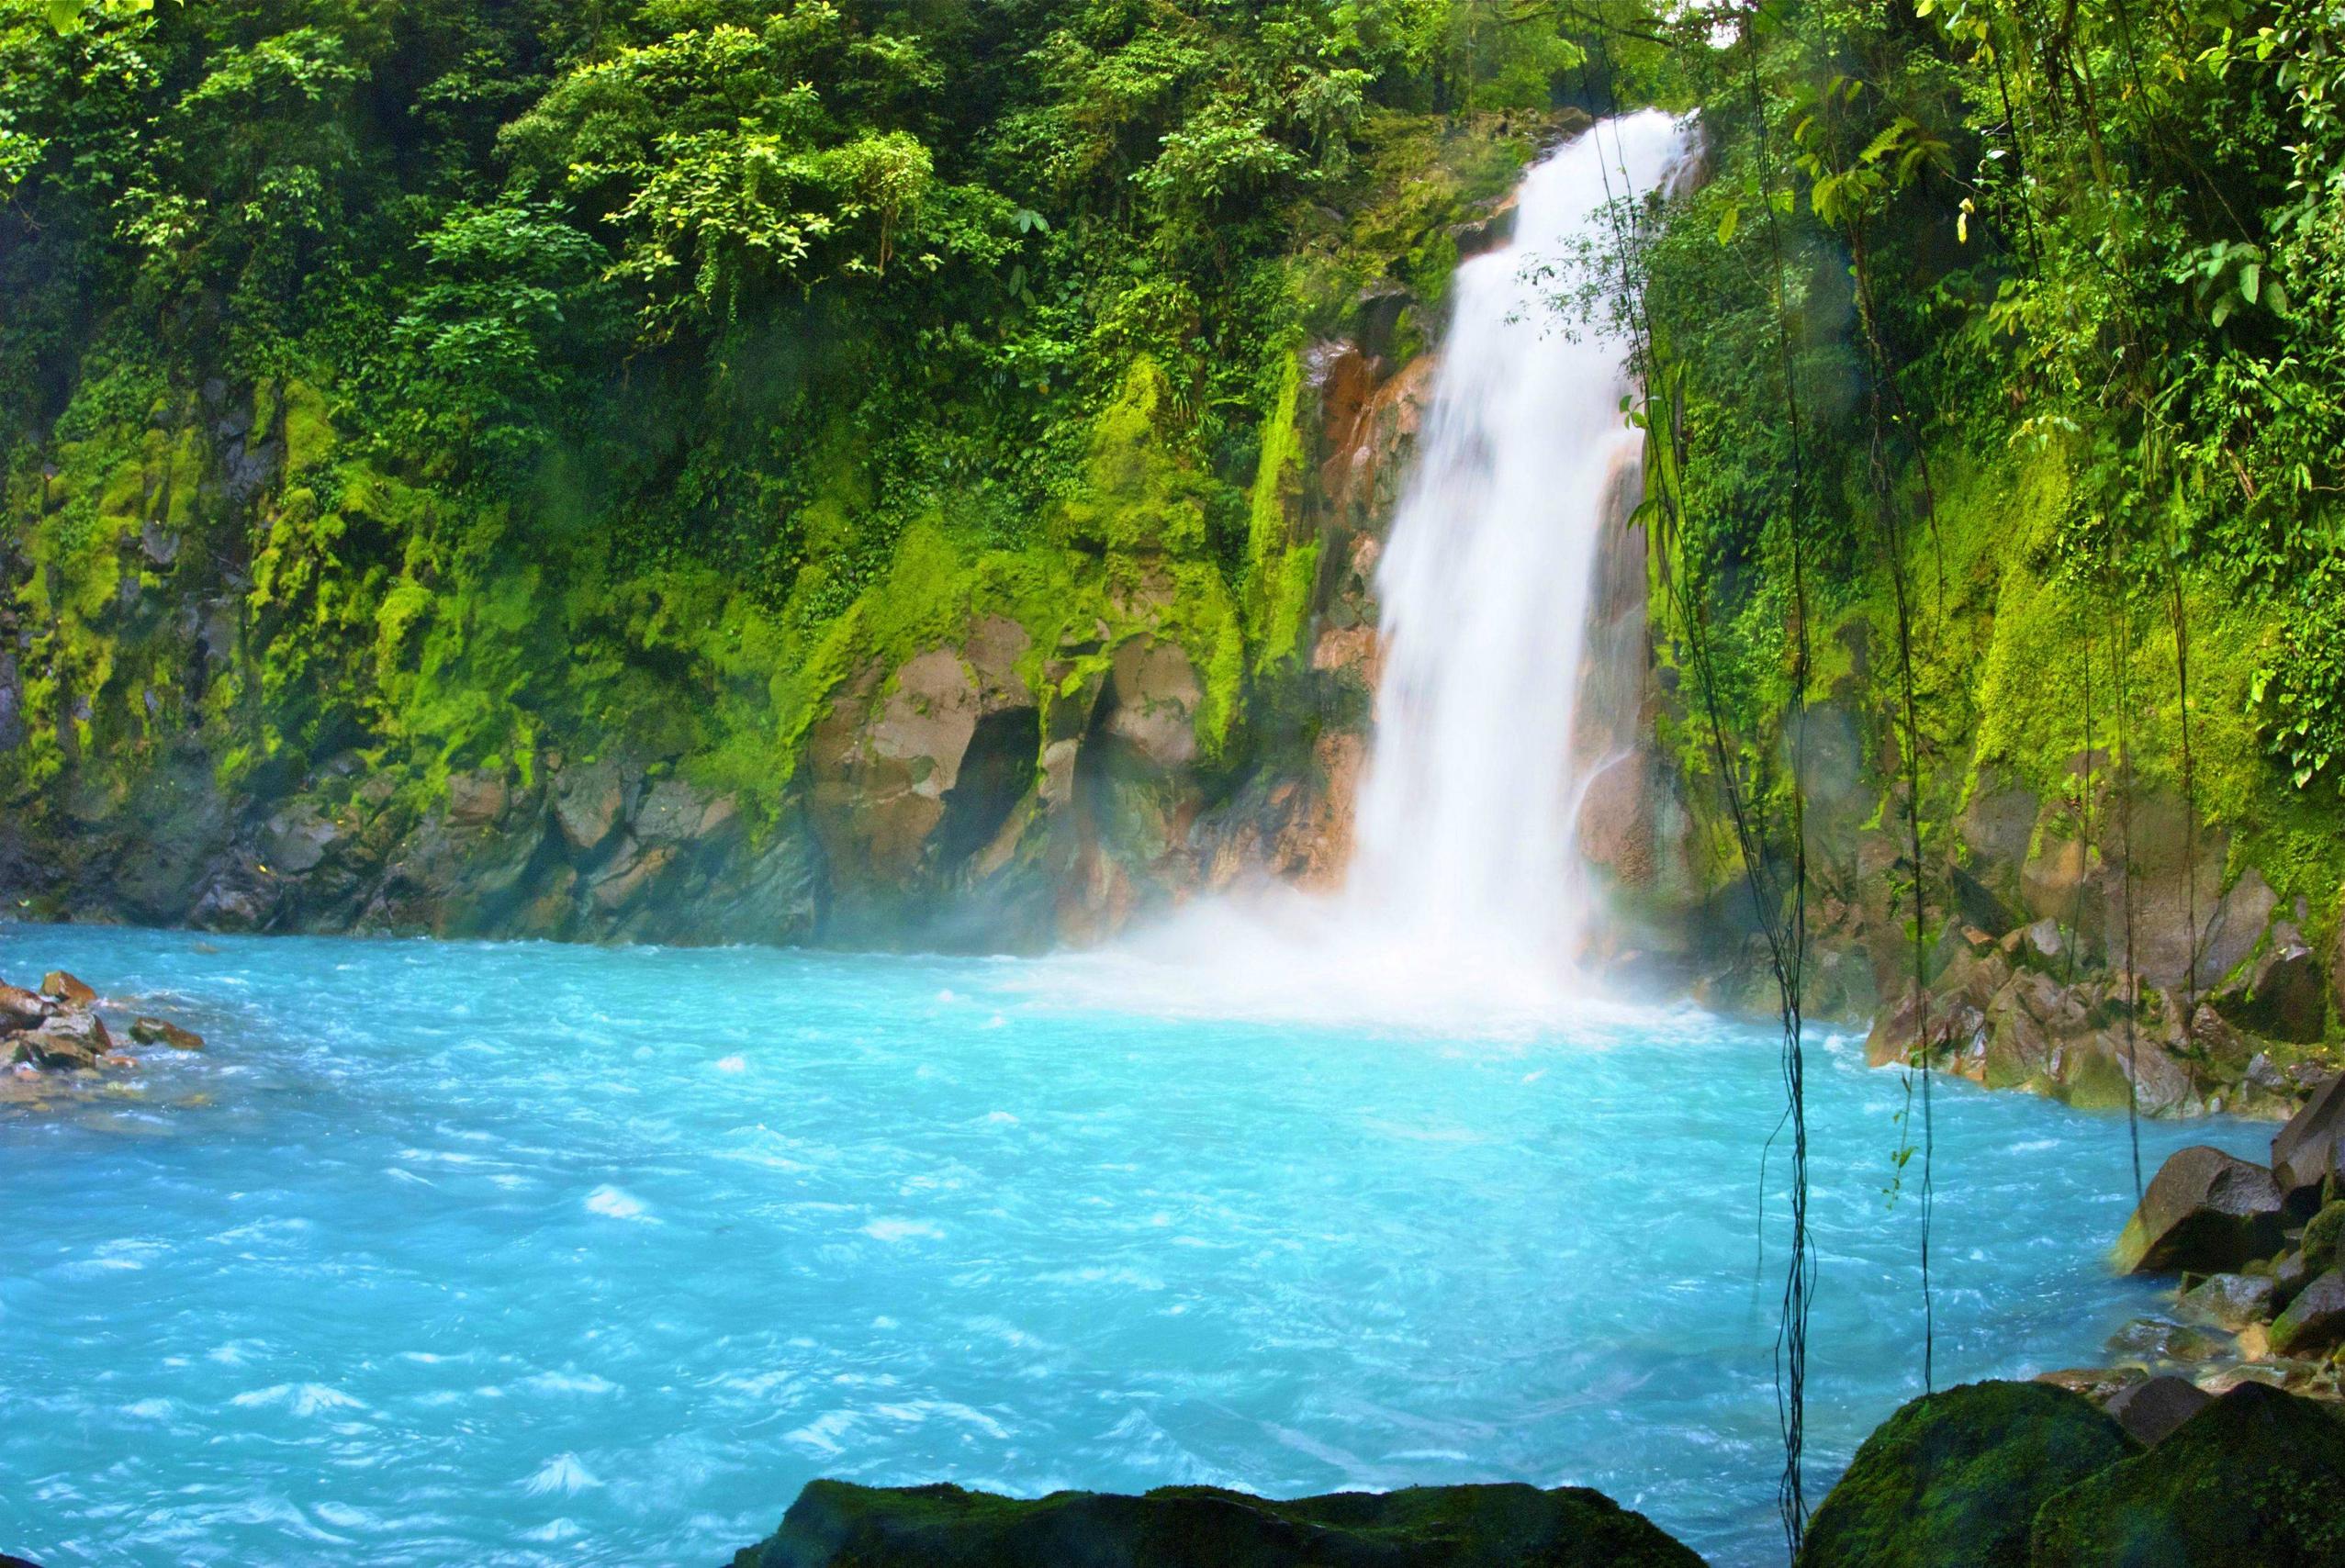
<point>1953,1479</point>
<point>2258,1477</point>
<point>834,1524</point>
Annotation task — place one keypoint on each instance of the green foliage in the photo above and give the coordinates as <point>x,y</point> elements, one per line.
<point>436,381</point>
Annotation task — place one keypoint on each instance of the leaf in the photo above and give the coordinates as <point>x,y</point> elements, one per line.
<point>1728,223</point>
<point>2250,282</point>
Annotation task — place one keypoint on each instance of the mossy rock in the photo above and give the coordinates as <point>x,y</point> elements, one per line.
<point>2257,1477</point>
<point>1952,1480</point>
<point>835,1524</point>
<point>2324,1241</point>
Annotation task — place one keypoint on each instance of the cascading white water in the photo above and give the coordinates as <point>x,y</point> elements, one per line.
<point>1465,901</point>
<point>1466,814</point>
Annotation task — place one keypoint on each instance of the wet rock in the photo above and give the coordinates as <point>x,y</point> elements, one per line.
<point>2323,1243</point>
<point>21,1009</point>
<point>2290,1276</point>
<point>2150,1411</point>
<point>66,1041</point>
<point>2310,1149</point>
<point>2229,1300</point>
<point>834,1524</point>
<point>297,838</point>
<point>674,814</point>
<point>2044,944</point>
<point>2253,1478</point>
<point>67,988</point>
<point>1156,693</point>
<point>2283,995</point>
<point>2155,1341</point>
<point>476,799</point>
<point>2204,1212</point>
<point>1954,1478</point>
<point>2099,1384</point>
<point>162,1032</point>
<point>2238,925</point>
<point>588,801</point>
<point>2314,1321</point>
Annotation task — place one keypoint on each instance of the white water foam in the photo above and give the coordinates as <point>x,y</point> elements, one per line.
<point>1467,902</point>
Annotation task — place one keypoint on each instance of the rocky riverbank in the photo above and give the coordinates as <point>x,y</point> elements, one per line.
<point>57,1043</point>
<point>2257,1256</point>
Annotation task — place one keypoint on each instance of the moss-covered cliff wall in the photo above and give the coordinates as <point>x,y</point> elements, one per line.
<point>464,489</point>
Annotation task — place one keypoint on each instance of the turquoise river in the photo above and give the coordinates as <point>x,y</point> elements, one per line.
<point>449,1253</point>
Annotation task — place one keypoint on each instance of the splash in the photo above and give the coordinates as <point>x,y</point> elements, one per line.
<point>1467,903</point>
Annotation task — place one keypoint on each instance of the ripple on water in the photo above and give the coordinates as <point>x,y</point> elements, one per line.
<point>492,1254</point>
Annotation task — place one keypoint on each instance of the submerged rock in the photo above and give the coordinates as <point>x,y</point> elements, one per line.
<point>2253,1478</point>
<point>2204,1212</point>
<point>834,1524</point>
<point>1953,1478</point>
<point>162,1032</point>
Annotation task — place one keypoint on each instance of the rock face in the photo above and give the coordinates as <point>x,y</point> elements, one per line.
<point>2149,1411</point>
<point>1953,1479</point>
<point>2206,1212</point>
<point>2310,1150</point>
<point>2314,1321</point>
<point>2253,1478</point>
<point>836,1525</point>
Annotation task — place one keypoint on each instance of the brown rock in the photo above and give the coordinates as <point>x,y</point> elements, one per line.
<point>67,988</point>
<point>22,1009</point>
<point>2097,1383</point>
<point>2206,1212</point>
<point>587,804</point>
<point>2150,1411</point>
<point>1156,694</point>
<point>476,799</point>
<point>2284,994</point>
<point>159,1031</point>
<point>69,1040</point>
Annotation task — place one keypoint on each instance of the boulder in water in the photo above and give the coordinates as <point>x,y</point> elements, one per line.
<point>2204,1212</point>
<point>834,1524</point>
<point>162,1032</point>
<point>2252,1479</point>
<point>1954,1478</point>
<point>67,988</point>
<point>69,1040</point>
<point>22,1009</point>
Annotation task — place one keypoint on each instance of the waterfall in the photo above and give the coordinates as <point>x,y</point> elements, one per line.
<point>1465,901</point>
<point>1467,812</point>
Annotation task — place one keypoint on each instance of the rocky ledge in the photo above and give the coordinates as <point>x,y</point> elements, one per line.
<point>55,1040</point>
<point>2025,1011</point>
<point>2028,1475</point>
<point>834,1524</point>
<point>2257,1256</point>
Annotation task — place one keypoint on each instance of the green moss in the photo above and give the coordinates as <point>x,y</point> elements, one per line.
<point>2253,1478</point>
<point>1955,1477</point>
<point>1282,573</point>
<point>1137,495</point>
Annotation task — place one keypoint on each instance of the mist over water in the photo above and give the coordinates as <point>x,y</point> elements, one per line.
<point>1467,902</point>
